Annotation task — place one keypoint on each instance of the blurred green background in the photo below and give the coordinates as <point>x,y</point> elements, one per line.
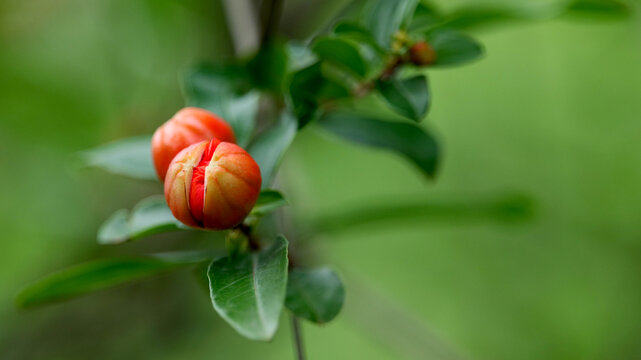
<point>553,111</point>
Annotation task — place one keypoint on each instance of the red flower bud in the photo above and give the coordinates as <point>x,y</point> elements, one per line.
<point>189,125</point>
<point>421,53</point>
<point>212,185</point>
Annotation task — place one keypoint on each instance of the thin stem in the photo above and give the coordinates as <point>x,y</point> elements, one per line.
<point>254,243</point>
<point>272,12</point>
<point>297,335</point>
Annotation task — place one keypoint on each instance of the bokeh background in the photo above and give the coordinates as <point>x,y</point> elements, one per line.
<point>553,112</point>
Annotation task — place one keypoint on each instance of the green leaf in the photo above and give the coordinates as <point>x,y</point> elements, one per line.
<point>453,48</point>
<point>356,32</point>
<point>299,55</point>
<point>203,82</point>
<point>409,140</point>
<point>101,274</point>
<point>240,112</point>
<point>342,53</point>
<point>269,148</point>
<point>150,216</point>
<point>505,207</point>
<point>268,67</point>
<point>598,8</point>
<point>315,294</point>
<point>129,157</point>
<point>248,290</point>
<point>210,88</point>
<point>425,16</point>
<point>385,17</point>
<point>268,201</point>
<point>479,16</point>
<point>409,97</point>
<point>308,88</point>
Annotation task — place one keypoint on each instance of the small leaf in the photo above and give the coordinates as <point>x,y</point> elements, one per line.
<point>115,229</point>
<point>503,208</point>
<point>341,52</point>
<point>480,16</point>
<point>129,157</point>
<point>409,97</point>
<point>453,48</point>
<point>240,112</point>
<point>269,148</point>
<point>210,88</point>
<point>356,32</point>
<point>315,294</point>
<point>425,16</point>
<point>268,201</point>
<point>101,274</point>
<point>407,139</point>
<point>248,290</point>
<point>598,8</point>
<point>204,82</point>
<point>150,216</point>
<point>300,56</point>
<point>268,67</point>
<point>308,88</point>
<point>385,17</point>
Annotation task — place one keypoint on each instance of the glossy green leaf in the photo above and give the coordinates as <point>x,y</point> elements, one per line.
<point>210,88</point>
<point>268,67</point>
<point>453,48</point>
<point>385,17</point>
<point>268,201</point>
<point>248,290</point>
<point>101,274</point>
<point>342,53</point>
<point>129,157</point>
<point>308,88</point>
<point>269,148</point>
<point>150,216</point>
<point>409,97</point>
<point>407,139</point>
<point>315,294</point>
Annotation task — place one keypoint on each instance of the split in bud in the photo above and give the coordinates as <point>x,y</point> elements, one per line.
<point>190,125</point>
<point>421,54</point>
<point>212,184</point>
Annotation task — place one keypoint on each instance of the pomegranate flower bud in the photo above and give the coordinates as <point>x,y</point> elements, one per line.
<point>421,54</point>
<point>212,185</point>
<point>189,125</point>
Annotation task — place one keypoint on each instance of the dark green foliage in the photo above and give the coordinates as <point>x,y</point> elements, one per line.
<point>101,274</point>
<point>129,157</point>
<point>409,97</point>
<point>407,139</point>
<point>453,48</point>
<point>248,290</point>
<point>315,294</point>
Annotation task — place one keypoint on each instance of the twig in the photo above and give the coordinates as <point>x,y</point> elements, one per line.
<point>271,17</point>
<point>254,244</point>
<point>297,335</point>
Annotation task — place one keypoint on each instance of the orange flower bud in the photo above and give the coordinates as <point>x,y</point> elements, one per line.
<point>212,185</point>
<point>421,54</point>
<point>189,125</point>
